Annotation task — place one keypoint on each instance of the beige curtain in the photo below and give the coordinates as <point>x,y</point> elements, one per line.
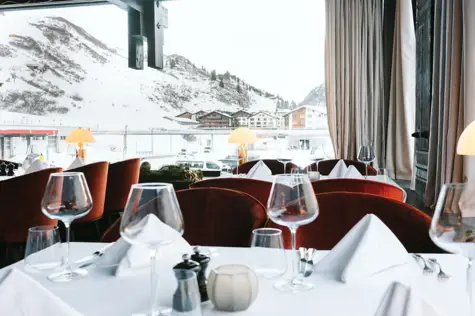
<point>469,60</point>
<point>401,122</point>
<point>354,75</point>
<point>447,114</point>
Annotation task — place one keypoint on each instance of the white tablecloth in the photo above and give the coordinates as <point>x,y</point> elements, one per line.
<point>100,294</point>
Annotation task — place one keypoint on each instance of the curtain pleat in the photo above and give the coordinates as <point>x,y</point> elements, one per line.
<point>447,113</point>
<point>354,75</point>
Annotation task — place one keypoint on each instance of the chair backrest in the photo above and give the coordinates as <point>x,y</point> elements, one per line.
<point>256,188</point>
<point>220,217</point>
<point>96,178</point>
<point>20,205</point>
<point>359,186</point>
<point>326,166</point>
<point>120,178</point>
<point>340,211</point>
<point>276,167</point>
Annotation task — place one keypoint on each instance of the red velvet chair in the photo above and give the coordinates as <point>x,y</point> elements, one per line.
<point>275,166</point>
<point>340,211</point>
<point>20,208</point>
<point>256,188</point>
<point>220,217</point>
<point>359,186</point>
<point>120,178</point>
<point>326,166</point>
<point>96,178</point>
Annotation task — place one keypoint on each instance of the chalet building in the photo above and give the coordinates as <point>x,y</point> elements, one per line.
<point>307,117</point>
<point>195,116</point>
<point>187,115</point>
<point>263,120</point>
<point>215,119</point>
<point>242,117</point>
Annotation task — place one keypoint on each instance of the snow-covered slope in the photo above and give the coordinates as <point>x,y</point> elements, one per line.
<point>52,67</point>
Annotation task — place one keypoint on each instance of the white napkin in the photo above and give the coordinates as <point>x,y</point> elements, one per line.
<point>353,173</point>
<point>260,171</point>
<point>339,170</point>
<point>36,165</point>
<point>368,248</point>
<point>135,258</point>
<point>21,295</point>
<point>400,300</point>
<point>78,162</point>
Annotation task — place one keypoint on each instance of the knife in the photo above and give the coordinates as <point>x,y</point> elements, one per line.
<point>89,260</point>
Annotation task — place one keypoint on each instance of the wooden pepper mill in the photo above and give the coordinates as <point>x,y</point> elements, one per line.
<point>203,260</point>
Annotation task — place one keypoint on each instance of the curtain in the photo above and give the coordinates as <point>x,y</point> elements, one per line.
<point>354,75</point>
<point>402,100</point>
<point>447,113</point>
<point>469,59</point>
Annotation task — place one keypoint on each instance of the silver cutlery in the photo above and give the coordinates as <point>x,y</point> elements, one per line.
<point>442,276</point>
<point>89,260</point>
<point>426,269</point>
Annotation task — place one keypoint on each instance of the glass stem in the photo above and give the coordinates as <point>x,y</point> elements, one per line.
<point>67,258</point>
<point>295,258</point>
<point>366,170</point>
<point>153,283</point>
<point>469,286</point>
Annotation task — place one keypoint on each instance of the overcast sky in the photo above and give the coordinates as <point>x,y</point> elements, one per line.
<point>275,45</point>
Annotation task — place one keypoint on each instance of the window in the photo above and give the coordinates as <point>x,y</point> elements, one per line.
<point>212,165</point>
<point>302,122</point>
<point>62,137</point>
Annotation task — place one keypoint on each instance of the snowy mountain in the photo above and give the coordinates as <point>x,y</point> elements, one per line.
<point>315,97</point>
<point>52,67</point>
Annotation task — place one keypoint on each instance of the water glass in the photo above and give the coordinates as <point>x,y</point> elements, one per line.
<point>267,247</point>
<point>43,249</point>
<point>367,156</point>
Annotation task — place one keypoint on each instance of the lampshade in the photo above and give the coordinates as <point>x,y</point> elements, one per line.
<point>80,136</point>
<point>242,135</point>
<point>466,144</point>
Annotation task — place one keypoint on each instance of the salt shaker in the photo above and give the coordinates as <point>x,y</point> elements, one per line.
<point>10,169</point>
<point>187,298</point>
<point>3,169</point>
<point>203,260</point>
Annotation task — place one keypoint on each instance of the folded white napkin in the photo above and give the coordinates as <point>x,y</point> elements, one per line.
<point>339,170</point>
<point>400,300</point>
<point>353,173</point>
<point>260,171</point>
<point>78,162</point>
<point>36,165</point>
<point>369,238</point>
<point>131,259</point>
<point>21,295</point>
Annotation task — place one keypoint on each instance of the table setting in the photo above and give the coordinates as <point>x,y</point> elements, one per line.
<point>152,270</point>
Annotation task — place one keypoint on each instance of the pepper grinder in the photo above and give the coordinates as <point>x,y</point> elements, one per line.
<point>3,169</point>
<point>203,260</point>
<point>187,298</point>
<point>10,169</point>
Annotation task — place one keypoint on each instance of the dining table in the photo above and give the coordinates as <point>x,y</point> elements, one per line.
<point>102,293</point>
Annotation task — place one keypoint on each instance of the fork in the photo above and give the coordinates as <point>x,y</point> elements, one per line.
<point>426,269</point>
<point>442,276</point>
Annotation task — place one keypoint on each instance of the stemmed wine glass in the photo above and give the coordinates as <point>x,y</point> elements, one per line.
<point>66,198</point>
<point>366,155</point>
<point>292,203</point>
<point>453,225</point>
<point>152,217</point>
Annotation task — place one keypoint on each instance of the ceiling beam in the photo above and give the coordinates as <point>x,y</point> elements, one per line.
<point>42,4</point>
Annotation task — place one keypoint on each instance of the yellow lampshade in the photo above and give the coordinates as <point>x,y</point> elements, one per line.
<point>466,144</point>
<point>80,136</point>
<point>242,135</point>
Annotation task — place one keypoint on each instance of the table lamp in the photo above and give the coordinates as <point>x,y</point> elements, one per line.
<point>466,143</point>
<point>242,136</point>
<point>80,136</point>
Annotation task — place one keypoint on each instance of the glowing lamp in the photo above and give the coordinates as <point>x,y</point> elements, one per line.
<point>242,136</point>
<point>80,136</point>
<point>466,143</point>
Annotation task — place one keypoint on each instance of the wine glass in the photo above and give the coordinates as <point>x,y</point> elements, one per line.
<point>152,217</point>
<point>292,203</point>
<point>284,161</point>
<point>453,225</point>
<point>366,155</point>
<point>67,198</point>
